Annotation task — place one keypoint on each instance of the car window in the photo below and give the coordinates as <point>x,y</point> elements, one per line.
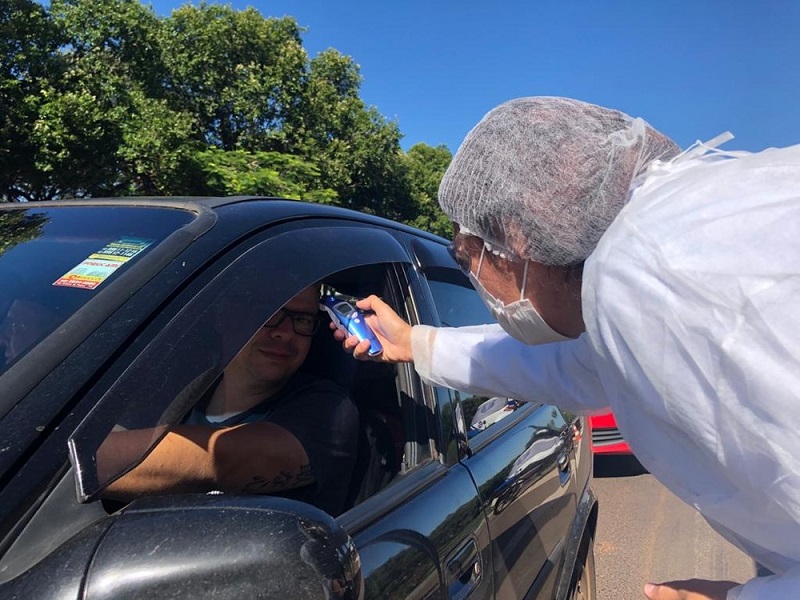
<point>55,260</point>
<point>188,357</point>
<point>459,305</point>
<point>393,440</point>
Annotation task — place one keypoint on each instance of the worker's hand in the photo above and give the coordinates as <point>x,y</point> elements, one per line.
<point>392,332</point>
<point>691,589</point>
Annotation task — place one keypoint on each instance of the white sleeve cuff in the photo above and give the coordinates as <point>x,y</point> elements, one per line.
<point>422,337</point>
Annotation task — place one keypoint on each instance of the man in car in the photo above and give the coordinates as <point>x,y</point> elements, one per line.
<point>264,429</point>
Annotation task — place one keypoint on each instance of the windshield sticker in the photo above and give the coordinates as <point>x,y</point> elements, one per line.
<point>99,266</point>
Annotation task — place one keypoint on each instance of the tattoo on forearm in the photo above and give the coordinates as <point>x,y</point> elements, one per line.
<point>282,481</point>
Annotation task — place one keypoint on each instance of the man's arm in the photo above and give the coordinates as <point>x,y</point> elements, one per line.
<point>257,458</point>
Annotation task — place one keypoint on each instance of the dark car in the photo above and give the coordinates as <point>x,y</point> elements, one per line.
<point>107,312</point>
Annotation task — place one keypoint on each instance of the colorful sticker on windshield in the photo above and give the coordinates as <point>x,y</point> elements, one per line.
<point>102,264</point>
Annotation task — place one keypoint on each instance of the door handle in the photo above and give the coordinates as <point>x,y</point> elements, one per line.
<point>564,457</point>
<point>464,571</point>
<point>564,470</point>
<point>563,461</point>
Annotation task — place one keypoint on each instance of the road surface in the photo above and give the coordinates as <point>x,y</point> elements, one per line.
<point>644,533</point>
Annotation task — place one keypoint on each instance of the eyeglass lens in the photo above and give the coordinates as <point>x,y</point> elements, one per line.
<point>302,323</point>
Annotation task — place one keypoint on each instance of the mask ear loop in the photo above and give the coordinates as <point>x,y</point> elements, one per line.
<point>524,281</point>
<point>480,262</point>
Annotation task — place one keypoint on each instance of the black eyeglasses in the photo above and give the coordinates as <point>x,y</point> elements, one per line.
<point>302,323</point>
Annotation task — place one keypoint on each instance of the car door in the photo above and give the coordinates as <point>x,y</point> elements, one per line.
<point>423,536</point>
<point>519,454</point>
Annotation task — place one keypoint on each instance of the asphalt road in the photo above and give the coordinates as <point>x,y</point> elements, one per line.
<point>645,533</point>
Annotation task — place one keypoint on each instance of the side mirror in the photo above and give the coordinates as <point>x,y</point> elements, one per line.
<point>219,546</point>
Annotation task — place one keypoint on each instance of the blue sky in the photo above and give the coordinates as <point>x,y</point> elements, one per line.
<point>692,68</point>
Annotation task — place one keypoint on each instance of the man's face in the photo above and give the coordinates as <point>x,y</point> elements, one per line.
<point>274,354</point>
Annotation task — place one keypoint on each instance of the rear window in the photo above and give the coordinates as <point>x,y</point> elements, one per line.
<point>55,259</point>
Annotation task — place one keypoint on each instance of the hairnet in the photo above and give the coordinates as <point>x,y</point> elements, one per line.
<point>544,177</point>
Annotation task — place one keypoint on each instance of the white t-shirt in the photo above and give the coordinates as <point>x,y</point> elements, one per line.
<point>692,309</point>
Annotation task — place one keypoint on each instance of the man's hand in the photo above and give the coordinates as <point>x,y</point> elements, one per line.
<point>392,332</point>
<point>691,589</point>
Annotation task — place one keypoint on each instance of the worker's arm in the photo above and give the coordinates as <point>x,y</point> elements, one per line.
<point>485,360</point>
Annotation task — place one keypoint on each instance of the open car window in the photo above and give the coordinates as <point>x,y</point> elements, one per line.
<point>185,358</point>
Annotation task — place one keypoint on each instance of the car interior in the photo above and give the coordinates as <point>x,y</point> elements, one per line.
<point>393,430</point>
<point>385,427</point>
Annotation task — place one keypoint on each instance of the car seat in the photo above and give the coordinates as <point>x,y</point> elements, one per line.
<point>372,388</point>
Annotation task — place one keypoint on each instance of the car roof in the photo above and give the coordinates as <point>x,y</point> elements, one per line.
<point>186,202</point>
<point>268,208</point>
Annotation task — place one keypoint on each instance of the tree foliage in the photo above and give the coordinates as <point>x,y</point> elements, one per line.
<point>29,40</point>
<point>104,97</point>
<point>426,165</point>
<point>236,72</point>
<point>235,172</point>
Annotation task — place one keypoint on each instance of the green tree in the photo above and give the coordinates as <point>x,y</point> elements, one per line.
<point>357,149</point>
<point>250,86</point>
<point>426,166</point>
<point>102,128</point>
<point>28,41</point>
<point>218,172</point>
<point>236,72</point>
<point>103,97</point>
<point>125,33</point>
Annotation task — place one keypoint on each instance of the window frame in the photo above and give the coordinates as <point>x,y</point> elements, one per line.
<point>302,241</point>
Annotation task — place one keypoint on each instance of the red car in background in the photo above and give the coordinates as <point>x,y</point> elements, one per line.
<point>606,438</point>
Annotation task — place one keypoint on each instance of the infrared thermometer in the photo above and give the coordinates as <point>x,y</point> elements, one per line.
<point>351,320</point>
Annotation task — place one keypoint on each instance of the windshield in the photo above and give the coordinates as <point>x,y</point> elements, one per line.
<point>55,259</point>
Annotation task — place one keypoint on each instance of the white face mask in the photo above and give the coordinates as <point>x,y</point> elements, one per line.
<point>519,319</point>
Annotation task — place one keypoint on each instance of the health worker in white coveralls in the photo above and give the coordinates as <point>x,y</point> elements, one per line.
<point>671,283</point>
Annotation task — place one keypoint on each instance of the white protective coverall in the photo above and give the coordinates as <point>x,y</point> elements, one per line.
<point>691,303</point>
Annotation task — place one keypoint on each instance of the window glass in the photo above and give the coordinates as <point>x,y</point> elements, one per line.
<point>459,305</point>
<point>54,260</point>
<point>222,334</point>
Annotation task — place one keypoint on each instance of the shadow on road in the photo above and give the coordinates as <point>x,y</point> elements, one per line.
<point>617,466</point>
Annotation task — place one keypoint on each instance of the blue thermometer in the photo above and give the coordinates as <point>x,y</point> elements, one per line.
<point>350,319</point>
